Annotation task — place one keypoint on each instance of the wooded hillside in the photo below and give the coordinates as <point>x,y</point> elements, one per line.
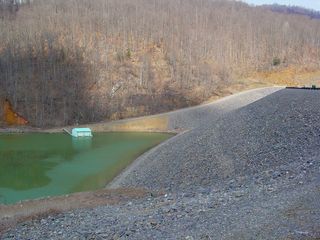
<point>77,61</point>
<point>293,10</point>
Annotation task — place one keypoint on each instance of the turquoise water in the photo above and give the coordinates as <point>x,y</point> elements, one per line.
<point>40,165</point>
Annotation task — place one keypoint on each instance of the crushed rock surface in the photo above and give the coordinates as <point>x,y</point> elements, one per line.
<point>246,172</point>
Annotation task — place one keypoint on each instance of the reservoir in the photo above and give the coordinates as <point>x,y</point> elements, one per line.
<point>40,165</point>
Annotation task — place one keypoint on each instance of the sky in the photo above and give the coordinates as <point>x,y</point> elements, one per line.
<point>311,4</point>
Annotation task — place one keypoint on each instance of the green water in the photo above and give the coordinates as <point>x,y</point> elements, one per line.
<point>40,165</point>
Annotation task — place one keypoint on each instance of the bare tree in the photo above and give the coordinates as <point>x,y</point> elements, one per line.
<point>61,60</point>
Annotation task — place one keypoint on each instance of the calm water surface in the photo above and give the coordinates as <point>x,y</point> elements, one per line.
<point>39,165</point>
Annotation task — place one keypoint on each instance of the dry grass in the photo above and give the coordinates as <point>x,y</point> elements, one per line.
<point>156,123</point>
<point>289,76</point>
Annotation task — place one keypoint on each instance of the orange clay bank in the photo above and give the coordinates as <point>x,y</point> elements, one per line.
<point>10,117</point>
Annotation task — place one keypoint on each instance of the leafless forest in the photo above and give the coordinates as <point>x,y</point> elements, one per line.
<point>78,61</point>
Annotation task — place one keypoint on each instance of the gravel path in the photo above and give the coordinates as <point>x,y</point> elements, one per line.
<point>248,168</point>
<point>193,117</point>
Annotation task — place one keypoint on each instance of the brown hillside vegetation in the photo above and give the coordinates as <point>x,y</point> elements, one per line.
<point>76,61</point>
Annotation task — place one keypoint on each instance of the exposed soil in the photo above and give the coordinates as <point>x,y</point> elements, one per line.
<point>10,215</point>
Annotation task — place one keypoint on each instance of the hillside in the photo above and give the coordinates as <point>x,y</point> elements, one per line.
<point>293,10</point>
<point>77,61</point>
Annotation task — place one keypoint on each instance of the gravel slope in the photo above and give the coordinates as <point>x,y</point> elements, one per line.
<point>193,117</point>
<point>248,172</point>
<point>269,134</point>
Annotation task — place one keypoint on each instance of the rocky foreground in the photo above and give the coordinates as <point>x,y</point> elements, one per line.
<point>247,168</point>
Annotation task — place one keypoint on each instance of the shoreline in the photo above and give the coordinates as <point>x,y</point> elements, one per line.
<point>32,209</point>
<point>150,123</point>
<point>172,124</point>
<point>26,210</point>
<point>115,182</point>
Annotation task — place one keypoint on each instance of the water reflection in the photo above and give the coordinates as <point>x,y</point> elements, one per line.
<point>81,144</point>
